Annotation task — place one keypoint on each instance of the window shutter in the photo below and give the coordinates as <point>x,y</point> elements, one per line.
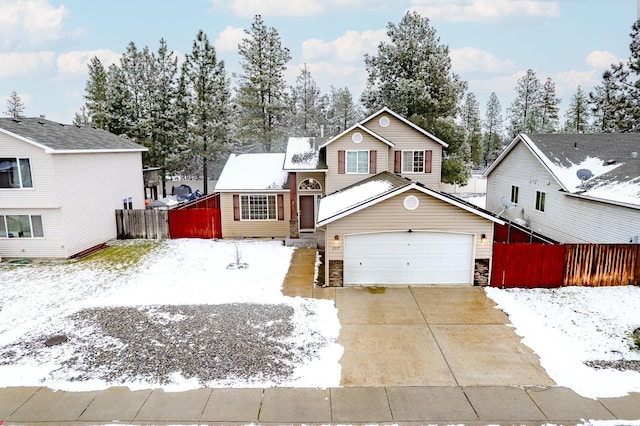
<point>236,207</point>
<point>427,161</point>
<point>341,162</point>
<point>280,207</point>
<point>397,164</point>
<point>373,159</point>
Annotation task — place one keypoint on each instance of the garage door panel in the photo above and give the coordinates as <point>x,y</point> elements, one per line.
<point>408,258</point>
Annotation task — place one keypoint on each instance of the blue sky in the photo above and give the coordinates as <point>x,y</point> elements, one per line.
<point>45,44</point>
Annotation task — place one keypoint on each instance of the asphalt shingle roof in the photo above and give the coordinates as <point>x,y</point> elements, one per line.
<point>67,137</point>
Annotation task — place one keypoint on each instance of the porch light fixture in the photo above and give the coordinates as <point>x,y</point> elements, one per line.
<point>336,237</point>
<point>483,238</point>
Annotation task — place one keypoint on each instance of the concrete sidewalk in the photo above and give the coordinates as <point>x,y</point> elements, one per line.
<point>436,405</point>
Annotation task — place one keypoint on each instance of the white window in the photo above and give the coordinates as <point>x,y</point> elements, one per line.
<point>127,203</point>
<point>21,226</point>
<point>15,173</point>
<point>358,162</point>
<point>412,161</point>
<point>540,196</point>
<point>258,207</point>
<point>515,191</point>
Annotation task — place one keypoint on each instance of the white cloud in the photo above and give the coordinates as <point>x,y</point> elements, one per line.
<point>229,38</point>
<point>348,48</point>
<point>75,63</point>
<point>485,10</point>
<point>471,59</point>
<point>299,8</point>
<point>23,64</point>
<point>29,23</point>
<point>601,59</point>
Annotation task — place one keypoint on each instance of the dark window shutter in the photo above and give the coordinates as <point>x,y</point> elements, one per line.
<point>373,160</point>
<point>236,207</point>
<point>341,162</point>
<point>280,207</point>
<point>427,161</point>
<point>397,164</point>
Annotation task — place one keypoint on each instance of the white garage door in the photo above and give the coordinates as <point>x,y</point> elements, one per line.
<point>408,258</point>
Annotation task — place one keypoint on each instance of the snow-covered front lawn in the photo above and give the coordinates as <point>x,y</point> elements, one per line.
<point>568,327</point>
<point>178,318</point>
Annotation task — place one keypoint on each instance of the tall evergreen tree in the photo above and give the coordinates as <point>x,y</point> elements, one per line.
<point>96,94</point>
<point>261,96</point>
<point>342,111</point>
<point>15,107</point>
<point>549,109</point>
<point>524,112</point>
<point>492,129</point>
<point>207,85</point>
<point>608,101</point>
<point>578,113</point>
<point>470,116</point>
<point>117,102</point>
<point>308,105</point>
<point>411,74</point>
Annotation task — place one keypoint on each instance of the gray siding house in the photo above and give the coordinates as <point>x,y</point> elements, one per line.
<point>60,185</point>
<point>572,188</point>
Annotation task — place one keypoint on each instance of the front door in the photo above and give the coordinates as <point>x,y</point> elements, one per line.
<point>307,212</point>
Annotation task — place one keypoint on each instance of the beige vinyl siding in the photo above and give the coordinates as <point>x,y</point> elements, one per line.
<point>42,195</point>
<point>320,177</point>
<point>566,219</point>
<point>390,215</point>
<point>405,137</point>
<point>253,229</point>
<point>51,246</point>
<point>334,180</point>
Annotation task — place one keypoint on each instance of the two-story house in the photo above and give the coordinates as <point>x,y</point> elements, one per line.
<point>374,191</point>
<point>573,188</point>
<point>60,186</point>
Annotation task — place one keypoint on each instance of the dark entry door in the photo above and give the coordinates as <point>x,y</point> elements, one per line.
<point>307,212</point>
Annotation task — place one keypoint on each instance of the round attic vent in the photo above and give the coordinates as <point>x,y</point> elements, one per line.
<point>384,121</point>
<point>411,202</point>
<point>356,137</point>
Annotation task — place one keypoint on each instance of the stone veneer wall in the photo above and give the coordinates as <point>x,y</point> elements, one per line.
<point>335,273</point>
<point>293,228</point>
<point>481,273</point>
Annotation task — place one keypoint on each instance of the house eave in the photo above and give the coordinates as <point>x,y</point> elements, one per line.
<point>407,122</point>
<point>601,200</point>
<point>360,127</point>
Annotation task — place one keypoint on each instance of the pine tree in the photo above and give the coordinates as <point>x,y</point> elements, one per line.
<point>342,111</point>
<point>524,112</point>
<point>578,113</point>
<point>308,105</point>
<point>608,101</point>
<point>208,90</point>
<point>492,129</point>
<point>96,94</point>
<point>471,122</point>
<point>411,74</point>
<point>549,110</point>
<point>262,89</point>
<point>117,102</point>
<point>15,107</point>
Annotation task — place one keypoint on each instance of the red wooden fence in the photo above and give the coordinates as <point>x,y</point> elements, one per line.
<point>193,223</point>
<point>527,265</point>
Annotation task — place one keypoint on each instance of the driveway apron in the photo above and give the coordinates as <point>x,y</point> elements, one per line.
<point>430,336</point>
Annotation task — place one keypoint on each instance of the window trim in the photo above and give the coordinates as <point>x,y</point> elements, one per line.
<point>18,161</point>
<point>540,201</point>
<point>4,227</point>
<point>248,217</point>
<point>413,164</point>
<point>346,161</point>
<point>515,190</point>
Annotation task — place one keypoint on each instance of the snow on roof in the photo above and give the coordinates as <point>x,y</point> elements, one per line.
<point>253,172</point>
<point>611,158</point>
<point>302,154</point>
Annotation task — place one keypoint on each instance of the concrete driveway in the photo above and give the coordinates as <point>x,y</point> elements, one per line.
<point>430,336</point>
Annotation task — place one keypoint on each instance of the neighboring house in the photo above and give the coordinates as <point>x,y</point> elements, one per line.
<point>60,186</point>
<point>573,188</point>
<point>374,190</point>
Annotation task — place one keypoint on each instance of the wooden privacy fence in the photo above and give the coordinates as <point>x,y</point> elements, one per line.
<point>175,223</point>
<point>557,265</point>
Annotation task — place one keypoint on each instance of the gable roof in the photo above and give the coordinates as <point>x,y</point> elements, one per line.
<point>612,158</point>
<point>364,129</point>
<point>378,188</point>
<point>303,154</point>
<point>253,172</point>
<point>57,138</point>
<point>407,122</point>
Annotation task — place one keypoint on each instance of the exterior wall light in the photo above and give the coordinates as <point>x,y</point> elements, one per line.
<point>483,238</point>
<point>336,237</point>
